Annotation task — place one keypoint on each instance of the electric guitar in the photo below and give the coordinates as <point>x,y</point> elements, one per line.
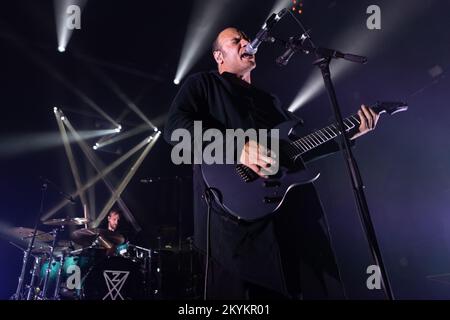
<point>245,195</point>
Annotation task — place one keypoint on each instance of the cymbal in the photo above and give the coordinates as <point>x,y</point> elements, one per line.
<point>63,244</point>
<point>67,222</point>
<point>27,233</point>
<point>104,238</point>
<point>41,248</point>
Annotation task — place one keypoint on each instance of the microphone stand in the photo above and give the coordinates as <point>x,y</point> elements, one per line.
<point>324,57</point>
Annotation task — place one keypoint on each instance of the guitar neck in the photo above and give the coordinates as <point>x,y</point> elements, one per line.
<point>319,137</point>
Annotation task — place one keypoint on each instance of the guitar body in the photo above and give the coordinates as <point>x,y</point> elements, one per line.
<point>247,196</point>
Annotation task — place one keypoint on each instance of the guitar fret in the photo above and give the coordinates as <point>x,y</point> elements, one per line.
<point>308,144</point>
<point>298,147</point>
<point>323,135</point>
<point>326,131</point>
<point>349,126</point>
<point>314,139</point>
<point>353,122</point>
<point>332,129</point>
<point>358,121</point>
<point>302,146</point>
<point>317,136</point>
<point>305,147</point>
<point>311,141</point>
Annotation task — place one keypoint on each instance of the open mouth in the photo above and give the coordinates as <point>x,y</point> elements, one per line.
<point>245,55</point>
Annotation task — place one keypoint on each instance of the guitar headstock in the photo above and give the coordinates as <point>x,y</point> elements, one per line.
<point>390,107</point>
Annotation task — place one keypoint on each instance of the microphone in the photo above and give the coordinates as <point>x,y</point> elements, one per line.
<point>283,60</point>
<point>261,36</point>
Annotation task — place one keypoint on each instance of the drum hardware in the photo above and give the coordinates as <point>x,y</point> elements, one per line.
<point>105,238</point>
<point>51,260</point>
<point>27,233</point>
<point>58,276</point>
<point>67,222</point>
<point>32,286</point>
<point>56,232</point>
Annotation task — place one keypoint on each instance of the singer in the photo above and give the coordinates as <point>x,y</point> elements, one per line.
<point>285,256</point>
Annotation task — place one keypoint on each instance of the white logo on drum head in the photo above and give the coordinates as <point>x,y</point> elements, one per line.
<point>115,281</point>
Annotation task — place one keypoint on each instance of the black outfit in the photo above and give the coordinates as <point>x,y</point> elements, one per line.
<point>285,256</point>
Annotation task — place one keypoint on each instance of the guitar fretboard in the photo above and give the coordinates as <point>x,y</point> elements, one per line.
<point>319,137</point>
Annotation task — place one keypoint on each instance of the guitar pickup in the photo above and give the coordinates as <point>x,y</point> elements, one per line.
<point>272,199</point>
<point>271,183</point>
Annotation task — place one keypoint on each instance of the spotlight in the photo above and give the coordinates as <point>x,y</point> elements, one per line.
<point>119,128</point>
<point>55,109</point>
<point>155,129</point>
<point>61,49</point>
<point>176,81</point>
<point>63,118</point>
<point>95,147</point>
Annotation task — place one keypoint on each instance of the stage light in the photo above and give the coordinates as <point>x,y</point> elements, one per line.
<point>66,12</point>
<point>281,4</point>
<point>99,166</point>
<point>121,95</point>
<point>55,109</point>
<point>63,118</point>
<point>206,17</point>
<point>119,128</point>
<point>155,129</point>
<point>106,171</point>
<point>95,147</point>
<point>176,81</point>
<point>126,180</point>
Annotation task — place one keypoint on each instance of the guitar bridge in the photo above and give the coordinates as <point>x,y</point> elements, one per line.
<point>246,173</point>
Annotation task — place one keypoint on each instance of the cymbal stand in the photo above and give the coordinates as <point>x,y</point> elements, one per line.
<point>31,286</point>
<point>58,277</point>
<point>56,232</point>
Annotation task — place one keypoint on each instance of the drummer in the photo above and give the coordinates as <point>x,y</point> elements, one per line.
<point>114,217</point>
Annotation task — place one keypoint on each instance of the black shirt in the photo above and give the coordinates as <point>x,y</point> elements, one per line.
<point>251,250</point>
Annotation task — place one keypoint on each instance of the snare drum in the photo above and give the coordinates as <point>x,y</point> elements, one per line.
<point>133,252</point>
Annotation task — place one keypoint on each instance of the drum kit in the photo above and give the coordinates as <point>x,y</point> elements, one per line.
<point>94,264</point>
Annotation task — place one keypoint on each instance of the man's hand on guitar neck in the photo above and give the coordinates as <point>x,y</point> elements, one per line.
<point>258,158</point>
<point>368,118</point>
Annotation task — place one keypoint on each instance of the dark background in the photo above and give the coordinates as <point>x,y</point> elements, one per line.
<point>137,44</point>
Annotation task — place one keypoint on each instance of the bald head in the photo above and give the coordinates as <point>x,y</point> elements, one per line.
<point>229,53</point>
<point>216,44</point>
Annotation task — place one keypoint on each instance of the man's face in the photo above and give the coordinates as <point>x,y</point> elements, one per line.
<point>231,57</point>
<point>113,221</point>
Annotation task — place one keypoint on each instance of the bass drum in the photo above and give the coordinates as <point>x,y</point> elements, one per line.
<point>83,262</point>
<point>115,278</point>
